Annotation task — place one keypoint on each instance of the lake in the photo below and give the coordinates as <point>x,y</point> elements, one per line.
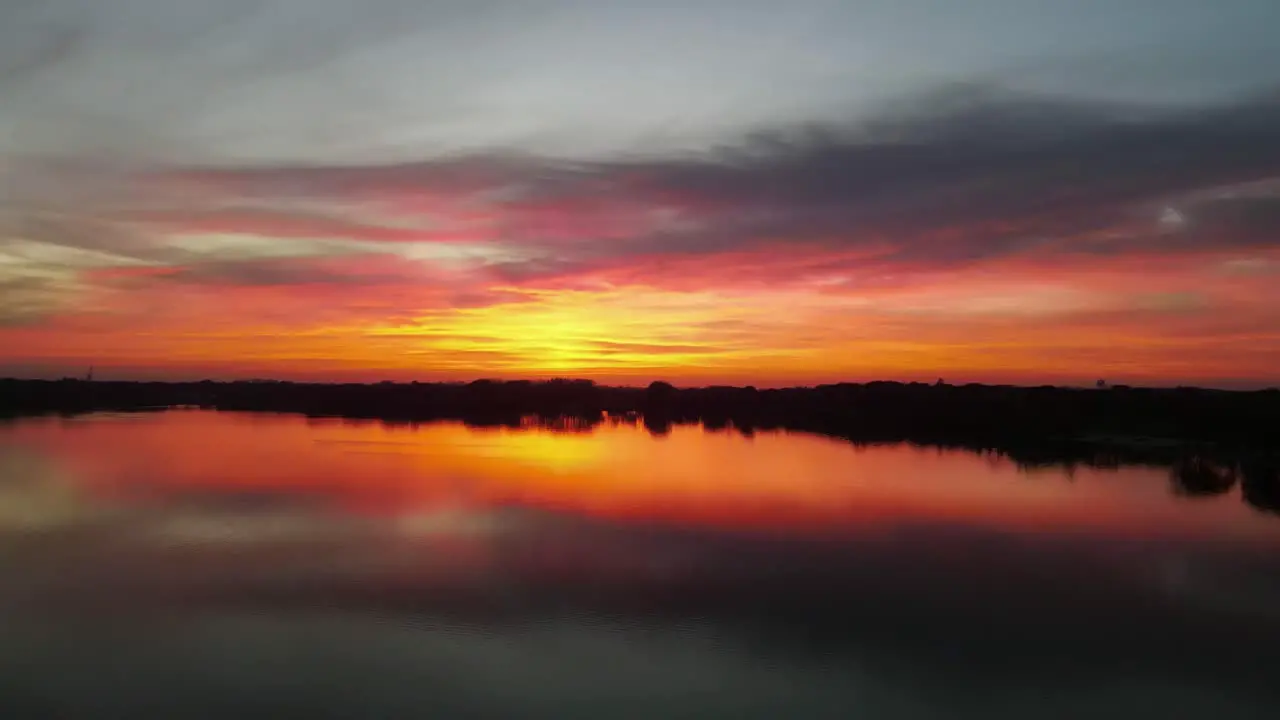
<point>198,564</point>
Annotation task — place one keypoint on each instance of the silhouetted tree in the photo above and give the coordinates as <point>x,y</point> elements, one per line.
<point>1260,484</point>
<point>657,425</point>
<point>659,390</point>
<point>1197,477</point>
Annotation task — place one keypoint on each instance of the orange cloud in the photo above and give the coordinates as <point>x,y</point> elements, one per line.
<point>804,259</point>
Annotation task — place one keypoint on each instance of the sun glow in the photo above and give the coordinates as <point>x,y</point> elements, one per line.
<point>558,452</point>
<point>575,330</point>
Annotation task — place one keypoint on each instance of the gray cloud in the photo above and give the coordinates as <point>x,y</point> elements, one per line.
<point>959,177</point>
<point>262,81</point>
<point>407,122</point>
<point>273,272</point>
<point>951,184</point>
<point>1018,165</point>
<point>956,177</point>
<point>25,300</point>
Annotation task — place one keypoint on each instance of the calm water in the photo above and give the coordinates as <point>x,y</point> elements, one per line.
<point>196,564</point>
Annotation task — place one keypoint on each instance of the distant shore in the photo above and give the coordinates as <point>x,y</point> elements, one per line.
<point>964,414</point>
<point>1210,440</point>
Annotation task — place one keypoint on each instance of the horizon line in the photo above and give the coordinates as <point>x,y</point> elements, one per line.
<point>641,386</point>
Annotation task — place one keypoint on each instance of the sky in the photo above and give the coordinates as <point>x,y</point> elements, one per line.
<point>704,192</point>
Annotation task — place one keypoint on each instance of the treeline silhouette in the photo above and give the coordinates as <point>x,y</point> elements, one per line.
<point>876,410</point>
<point>1258,478</point>
<point>1211,440</point>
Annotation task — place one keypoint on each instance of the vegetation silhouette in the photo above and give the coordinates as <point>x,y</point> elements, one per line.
<point>1260,484</point>
<point>1195,476</point>
<point>1210,440</point>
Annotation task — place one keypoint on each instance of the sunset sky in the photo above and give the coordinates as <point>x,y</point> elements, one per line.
<point>704,192</point>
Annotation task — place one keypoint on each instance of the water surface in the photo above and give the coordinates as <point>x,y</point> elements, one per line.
<point>201,564</point>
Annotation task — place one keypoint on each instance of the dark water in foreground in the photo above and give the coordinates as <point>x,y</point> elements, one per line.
<point>194,564</point>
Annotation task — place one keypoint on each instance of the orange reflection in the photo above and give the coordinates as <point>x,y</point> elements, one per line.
<point>778,482</point>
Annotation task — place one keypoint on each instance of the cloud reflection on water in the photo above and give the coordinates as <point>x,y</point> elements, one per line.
<point>498,576</point>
